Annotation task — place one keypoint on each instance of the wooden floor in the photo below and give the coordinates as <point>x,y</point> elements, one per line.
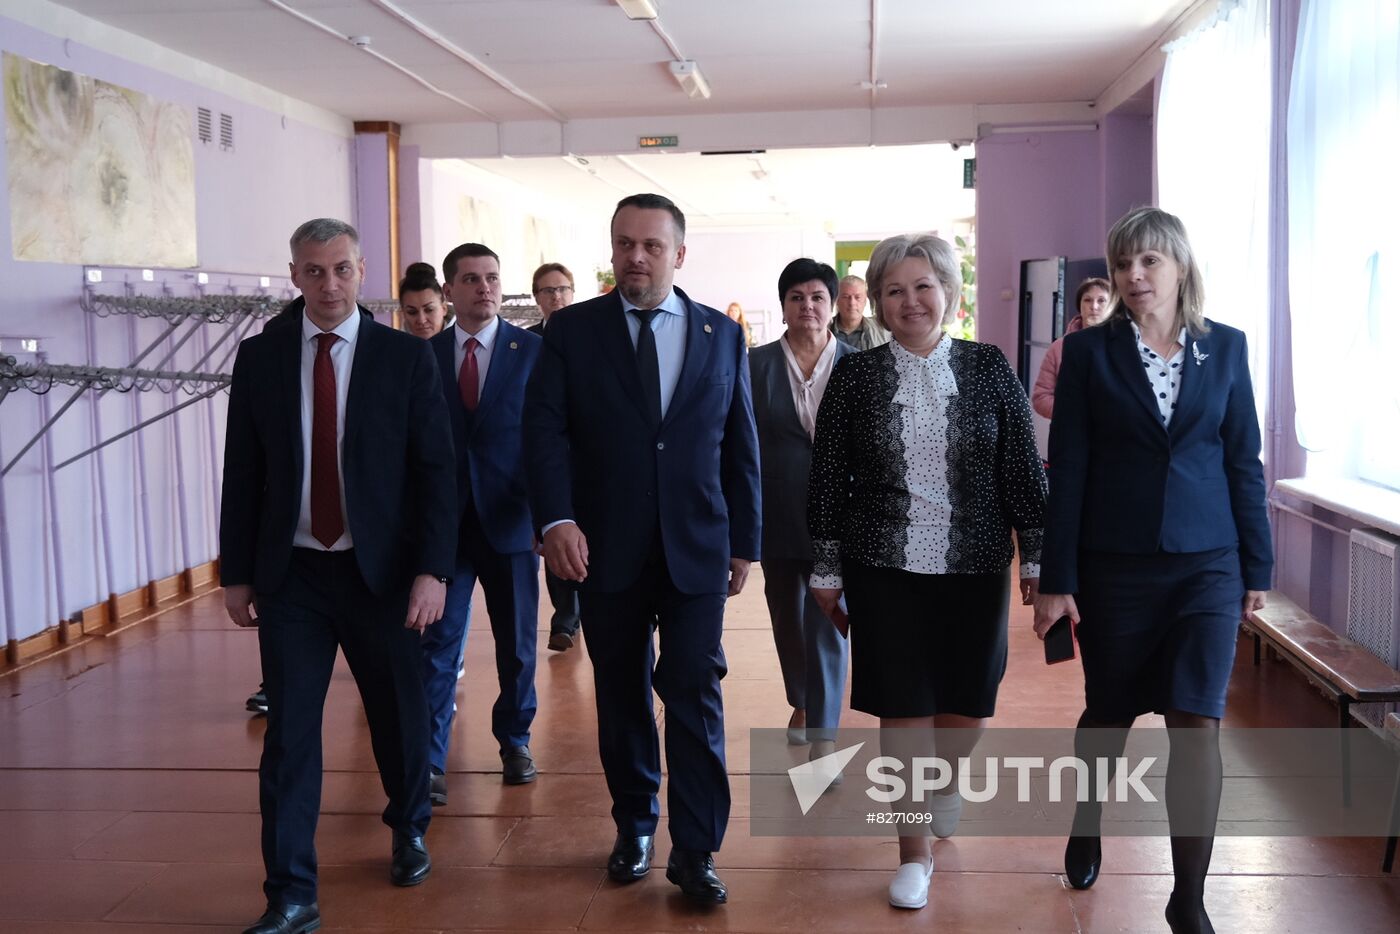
<point>128,803</point>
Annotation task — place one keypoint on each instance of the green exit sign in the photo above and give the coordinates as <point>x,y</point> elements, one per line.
<point>658,142</point>
<point>969,173</point>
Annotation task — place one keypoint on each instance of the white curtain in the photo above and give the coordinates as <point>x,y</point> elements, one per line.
<point>1213,123</point>
<point>1344,237</point>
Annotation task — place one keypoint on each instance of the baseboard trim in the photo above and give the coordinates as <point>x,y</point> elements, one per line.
<point>116,614</point>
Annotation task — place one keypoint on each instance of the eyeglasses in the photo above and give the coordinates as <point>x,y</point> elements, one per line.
<point>554,290</point>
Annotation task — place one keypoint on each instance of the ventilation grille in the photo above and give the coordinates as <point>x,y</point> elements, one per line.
<point>204,124</point>
<point>1373,605</point>
<point>225,132</point>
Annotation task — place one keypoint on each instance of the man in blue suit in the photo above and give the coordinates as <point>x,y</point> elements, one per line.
<point>484,363</point>
<point>644,481</point>
<point>335,532</point>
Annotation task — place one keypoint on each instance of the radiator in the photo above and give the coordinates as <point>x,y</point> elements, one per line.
<point>1373,605</point>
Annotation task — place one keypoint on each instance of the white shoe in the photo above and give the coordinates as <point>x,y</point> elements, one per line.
<point>946,811</point>
<point>910,886</point>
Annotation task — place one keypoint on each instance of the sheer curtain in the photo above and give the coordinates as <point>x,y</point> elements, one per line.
<point>1344,237</point>
<point>1213,123</point>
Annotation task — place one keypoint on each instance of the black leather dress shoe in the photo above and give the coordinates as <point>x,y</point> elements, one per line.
<point>518,766</point>
<point>1082,858</point>
<point>437,788</point>
<point>410,864</point>
<point>630,859</point>
<point>257,701</point>
<point>287,919</point>
<point>695,873</point>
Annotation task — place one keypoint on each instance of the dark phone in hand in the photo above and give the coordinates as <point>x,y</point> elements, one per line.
<point>1059,641</point>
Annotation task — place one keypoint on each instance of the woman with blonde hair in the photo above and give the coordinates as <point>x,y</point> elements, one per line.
<point>1157,541</point>
<point>924,463</point>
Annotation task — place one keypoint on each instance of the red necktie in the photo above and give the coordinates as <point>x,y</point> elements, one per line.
<point>327,523</point>
<point>467,376</point>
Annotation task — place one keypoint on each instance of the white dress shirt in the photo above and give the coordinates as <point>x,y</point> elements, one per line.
<point>668,326</point>
<point>485,339</point>
<point>342,358</point>
<point>807,392</point>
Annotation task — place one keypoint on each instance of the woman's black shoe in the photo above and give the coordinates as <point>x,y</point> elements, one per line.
<point>1083,855</point>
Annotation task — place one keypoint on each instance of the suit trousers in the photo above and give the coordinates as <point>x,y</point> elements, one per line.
<point>811,652</point>
<point>511,585</point>
<point>686,676</point>
<point>563,595</point>
<point>324,604</point>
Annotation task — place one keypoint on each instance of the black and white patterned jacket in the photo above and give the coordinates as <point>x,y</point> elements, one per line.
<point>925,464</point>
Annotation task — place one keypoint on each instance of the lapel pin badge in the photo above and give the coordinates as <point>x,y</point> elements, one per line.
<point>1196,352</point>
<point>708,329</point>
<point>513,345</point>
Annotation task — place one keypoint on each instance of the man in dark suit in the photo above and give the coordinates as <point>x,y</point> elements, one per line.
<point>336,531</point>
<point>643,470</point>
<point>484,363</point>
<point>553,288</point>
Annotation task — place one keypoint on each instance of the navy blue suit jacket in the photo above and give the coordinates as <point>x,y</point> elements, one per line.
<point>1121,481</point>
<point>396,461</point>
<point>490,456</point>
<point>594,456</point>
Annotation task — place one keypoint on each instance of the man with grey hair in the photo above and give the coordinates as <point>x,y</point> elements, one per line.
<point>336,532</point>
<point>850,324</point>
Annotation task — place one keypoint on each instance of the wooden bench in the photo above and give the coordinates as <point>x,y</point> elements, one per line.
<point>1344,669</point>
<point>1392,733</point>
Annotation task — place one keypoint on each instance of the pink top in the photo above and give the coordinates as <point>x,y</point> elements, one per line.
<point>1043,393</point>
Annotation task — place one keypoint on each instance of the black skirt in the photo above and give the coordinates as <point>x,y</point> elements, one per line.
<point>1158,632</point>
<point>926,644</point>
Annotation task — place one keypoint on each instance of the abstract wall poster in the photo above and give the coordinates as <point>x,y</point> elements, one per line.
<point>98,174</point>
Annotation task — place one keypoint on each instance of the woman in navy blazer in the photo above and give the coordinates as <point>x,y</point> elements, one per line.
<point>1156,532</point>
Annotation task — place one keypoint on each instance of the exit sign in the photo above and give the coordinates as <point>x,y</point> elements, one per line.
<point>969,173</point>
<point>658,142</point>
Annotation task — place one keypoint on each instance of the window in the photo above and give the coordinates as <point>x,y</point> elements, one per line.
<point>1344,242</point>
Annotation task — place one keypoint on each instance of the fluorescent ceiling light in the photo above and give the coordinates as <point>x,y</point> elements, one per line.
<point>687,75</point>
<point>638,9</point>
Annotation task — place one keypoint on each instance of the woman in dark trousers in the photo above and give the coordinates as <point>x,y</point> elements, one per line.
<point>1156,539</point>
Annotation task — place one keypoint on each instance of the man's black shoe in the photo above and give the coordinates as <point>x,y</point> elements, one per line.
<point>410,864</point>
<point>287,919</point>
<point>694,872</point>
<point>630,859</point>
<point>257,701</point>
<point>437,787</point>
<point>517,766</point>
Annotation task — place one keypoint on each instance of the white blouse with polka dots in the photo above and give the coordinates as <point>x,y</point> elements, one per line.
<point>925,464</point>
<point>1163,374</point>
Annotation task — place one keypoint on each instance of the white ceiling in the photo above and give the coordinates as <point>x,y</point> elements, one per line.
<point>590,80</point>
<point>583,59</point>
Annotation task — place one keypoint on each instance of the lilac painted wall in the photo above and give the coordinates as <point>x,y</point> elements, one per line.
<point>411,212</point>
<point>279,173</point>
<point>1038,195</point>
<point>1125,151</point>
<point>372,211</point>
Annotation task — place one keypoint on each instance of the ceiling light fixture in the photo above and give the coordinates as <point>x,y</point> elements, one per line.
<point>687,75</point>
<point>638,9</point>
